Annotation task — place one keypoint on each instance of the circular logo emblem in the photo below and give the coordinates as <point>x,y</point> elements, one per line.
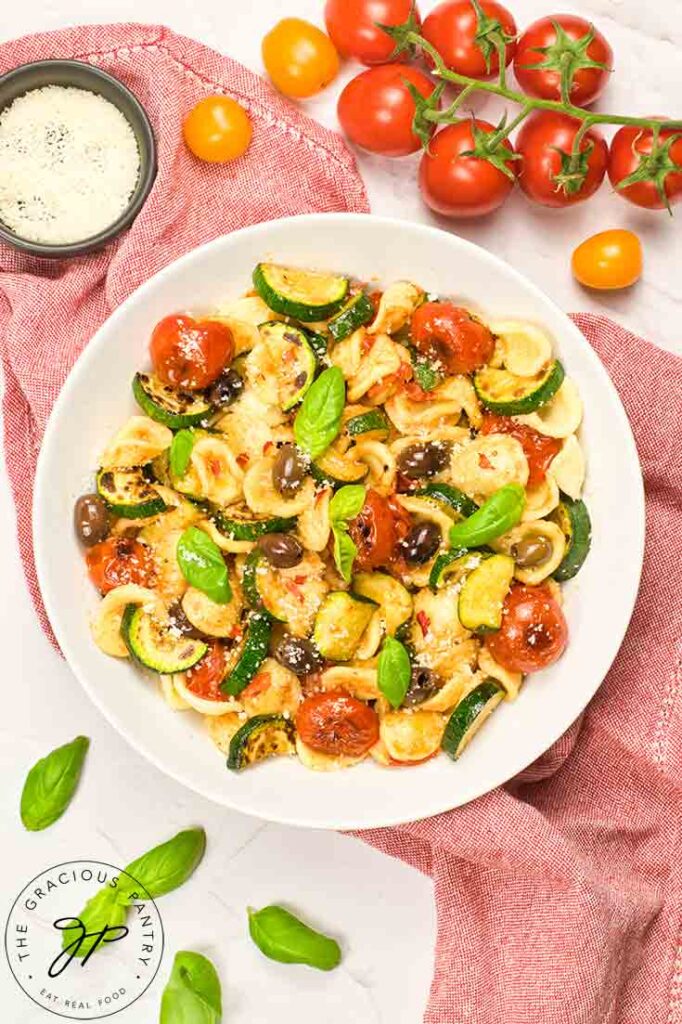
<point>84,940</point>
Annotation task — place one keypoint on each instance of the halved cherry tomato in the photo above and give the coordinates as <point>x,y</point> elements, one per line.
<point>608,260</point>
<point>533,634</point>
<point>299,58</point>
<point>217,129</point>
<point>337,724</point>
<point>538,449</point>
<point>189,353</point>
<point>354,27</point>
<point>545,143</point>
<point>120,560</point>
<point>378,530</point>
<point>563,46</point>
<point>206,676</point>
<point>466,39</point>
<point>450,335</point>
<point>376,110</point>
<point>658,168</point>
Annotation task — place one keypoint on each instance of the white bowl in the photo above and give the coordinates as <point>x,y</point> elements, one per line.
<point>97,398</point>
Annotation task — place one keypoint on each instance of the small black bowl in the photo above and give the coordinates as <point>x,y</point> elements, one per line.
<point>84,76</point>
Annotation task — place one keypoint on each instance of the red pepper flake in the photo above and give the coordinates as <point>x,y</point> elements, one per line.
<point>236,633</point>
<point>242,459</point>
<point>484,462</point>
<point>288,355</point>
<point>293,590</point>
<point>424,622</point>
<point>300,580</point>
<point>267,446</point>
<point>367,342</point>
<point>215,466</point>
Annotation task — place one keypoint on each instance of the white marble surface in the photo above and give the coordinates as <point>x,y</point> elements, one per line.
<point>382,909</point>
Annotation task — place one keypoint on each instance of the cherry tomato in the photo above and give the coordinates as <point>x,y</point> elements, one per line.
<point>450,335</point>
<point>545,143</point>
<point>354,27</point>
<point>207,675</point>
<point>120,560</point>
<point>457,184</point>
<point>659,167</point>
<point>538,449</point>
<point>299,58</point>
<point>376,110</point>
<point>608,260</point>
<point>189,353</point>
<point>465,41</point>
<point>559,47</point>
<point>217,129</point>
<point>337,724</point>
<point>534,633</point>
<point>377,531</point>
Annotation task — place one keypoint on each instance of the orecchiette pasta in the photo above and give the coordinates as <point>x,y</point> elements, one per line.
<point>396,306</point>
<point>137,443</point>
<point>482,466</point>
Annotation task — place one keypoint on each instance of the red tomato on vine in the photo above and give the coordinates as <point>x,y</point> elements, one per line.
<point>563,57</point>
<point>645,172</point>
<point>470,34</point>
<point>355,27</point>
<point>549,173</point>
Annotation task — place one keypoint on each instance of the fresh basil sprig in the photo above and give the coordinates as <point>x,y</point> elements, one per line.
<point>51,783</point>
<point>203,566</point>
<point>181,452</point>
<point>192,994</point>
<point>281,936</point>
<point>496,516</point>
<point>345,505</point>
<point>394,671</point>
<point>318,421</point>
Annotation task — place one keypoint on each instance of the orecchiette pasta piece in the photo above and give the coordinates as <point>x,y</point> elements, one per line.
<point>360,680</point>
<point>561,416</point>
<point>511,681</point>
<point>261,374</point>
<point>411,735</point>
<point>524,347</point>
<point>436,626</point>
<point>295,595</point>
<point>313,525</point>
<point>261,497</point>
<point>447,403</point>
<point>170,583</point>
<point>382,361</point>
<point>243,317</point>
<point>212,708</point>
<point>347,354</point>
<point>251,426</point>
<point>339,461</point>
<point>487,463</point>
<point>380,460</point>
<point>396,306</point>
<point>508,542</point>
<point>567,468</point>
<point>274,690</point>
<point>458,668</point>
<point>234,547</point>
<point>217,471</point>
<point>139,441</point>
<point>221,729</point>
<point>319,762</point>
<point>541,499</point>
<point>106,624</point>
<point>370,640</point>
<point>171,695</point>
<point>211,618</point>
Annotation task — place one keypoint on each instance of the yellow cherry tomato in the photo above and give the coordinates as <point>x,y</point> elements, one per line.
<point>608,260</point>
<point>217,129</point>
<point>299,58</point>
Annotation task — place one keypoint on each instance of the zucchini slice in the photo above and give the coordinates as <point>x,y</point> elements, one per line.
<point>290,351</point>
<point>242,524</point>
<point>481,598</point>
<point>254,652</point>
<point>318,342</point>
<point>261,586</point>
<point>469,716</point>
<point>503,392</point>
<point>335,469</point>
<point>452,566</point>
<point>374,422</point>
<point>341,620</point>
<point>391,596</point>
<point>573,520</point>
<point>174,408</point>
<point>450,496</point>
<point>129,494</point>
<point>153,643</point>
<point>356,313</point>
<point>261,737</point>
<point>302,294</point>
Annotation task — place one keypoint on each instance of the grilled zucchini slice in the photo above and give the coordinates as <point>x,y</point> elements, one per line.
<point>453,565</point>
<point>129,494</point>
<point>172,407</point>
<point>242,524</point>
<point>391,596</point>
<point>573,520</point>
<point>374,422</point>
<point>450,497</point>
<point>503,392</point>
<point>254,652</point>
<point>295,362</point>
<point>304,295</point>
<point>481,598</point>
<point>261,737</point>
<point>356,313</point>
<point>469,716</point>
<point>340,623</point>
<point>153,643</point>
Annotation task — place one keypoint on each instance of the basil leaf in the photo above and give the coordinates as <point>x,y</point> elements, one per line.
<point>164,867</point>
<point>51,783</point>
<point>394,671</point>
<point>347,502</point>
<point>281,936</point>
<point>103,910</point>
<point>180,452</point>
<point>318,421</point>
<point>426,374</point>
<point>192,994</point>
<point>203,566</point>
<point>345,550</point>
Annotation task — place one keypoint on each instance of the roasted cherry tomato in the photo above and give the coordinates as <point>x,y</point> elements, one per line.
<point>299,58</point>
<point>455,177</point>
<point>563,56</point>
<point>449,335</point>
<point>206,676</point>
<point>354,27</point>
<point>533,634</point>
<point>189,353</point>
<point>217,129</point>
<point>118,561</point>
<point>652,173</point>
<point>608,260</point>
<point>378,530</point>
<point>538,449</point>
<point>337,724</point>
<point>546,173</point>
<point>376,110</point>
<point>465,38</point>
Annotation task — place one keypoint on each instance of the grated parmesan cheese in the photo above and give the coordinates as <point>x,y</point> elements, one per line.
<point>69,164</point>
